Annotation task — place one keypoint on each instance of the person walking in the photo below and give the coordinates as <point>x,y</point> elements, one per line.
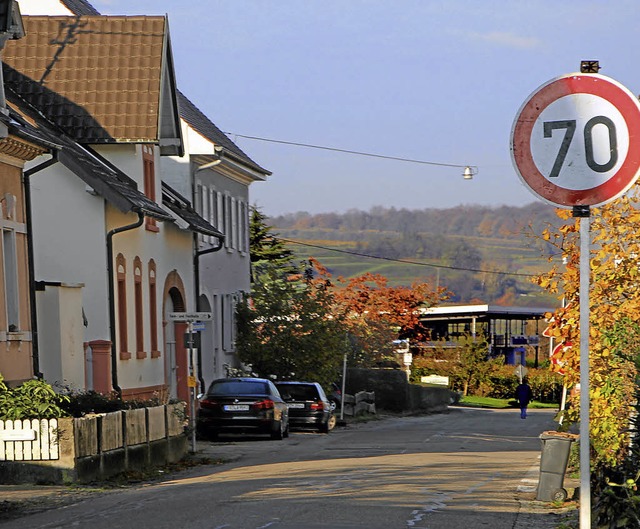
<point>524,396</point>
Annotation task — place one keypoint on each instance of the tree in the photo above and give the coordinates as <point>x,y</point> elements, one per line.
<point>288,328</point>
<point>264,244</point>
<point>377,314</point>
<point>474,366</point>
<point>614,301</point>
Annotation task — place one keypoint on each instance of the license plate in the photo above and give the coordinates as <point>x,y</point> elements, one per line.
<point>296,405</point>
<point>236,407</point>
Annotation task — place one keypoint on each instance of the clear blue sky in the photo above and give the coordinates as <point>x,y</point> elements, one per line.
<point>439,81</point>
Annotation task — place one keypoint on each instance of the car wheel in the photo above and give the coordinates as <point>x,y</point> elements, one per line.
<point>206,434</point>
<point>278,430</point>
<point>286,430</point>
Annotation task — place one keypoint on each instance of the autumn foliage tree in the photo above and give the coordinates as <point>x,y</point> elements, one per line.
<point>614,303</point>
<point>298,322</point>
<point>376,314</point>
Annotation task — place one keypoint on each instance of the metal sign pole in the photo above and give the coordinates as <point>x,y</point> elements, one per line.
<point>192,390</point>
<point>585,460</point>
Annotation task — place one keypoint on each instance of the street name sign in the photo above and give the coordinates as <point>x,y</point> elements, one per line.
<point>189,316</point>
<point>574,141</point>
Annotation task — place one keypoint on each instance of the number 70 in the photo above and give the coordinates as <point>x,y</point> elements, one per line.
<point>570,128</point>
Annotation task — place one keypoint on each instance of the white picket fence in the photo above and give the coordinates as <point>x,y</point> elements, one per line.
<point>29,440</point>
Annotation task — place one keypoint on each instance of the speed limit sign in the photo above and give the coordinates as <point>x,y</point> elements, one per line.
<point>574,141</point>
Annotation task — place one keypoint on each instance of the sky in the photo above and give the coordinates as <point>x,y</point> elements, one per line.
<point>428,80</point>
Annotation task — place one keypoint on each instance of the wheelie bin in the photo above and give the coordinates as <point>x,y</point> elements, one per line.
<point>556,447</point>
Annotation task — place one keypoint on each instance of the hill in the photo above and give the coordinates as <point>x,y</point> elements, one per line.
<point>480,254</point>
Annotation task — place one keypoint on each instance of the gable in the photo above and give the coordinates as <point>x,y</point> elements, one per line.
<point>106,79</point>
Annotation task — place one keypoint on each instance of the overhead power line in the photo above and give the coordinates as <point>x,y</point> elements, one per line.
<point>347,151</point>
<point>403,261</point>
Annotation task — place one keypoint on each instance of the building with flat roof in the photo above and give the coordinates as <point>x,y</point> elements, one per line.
<point>507,330</point>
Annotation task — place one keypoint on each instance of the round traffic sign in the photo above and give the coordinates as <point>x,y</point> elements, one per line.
<point>571,141</point>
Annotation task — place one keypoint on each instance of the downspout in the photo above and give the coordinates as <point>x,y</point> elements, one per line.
<point>26,181</point>
<point>112,306</point>
<point>196,271</point>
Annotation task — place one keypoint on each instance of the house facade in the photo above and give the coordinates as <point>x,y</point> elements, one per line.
<point>18,360</point>
<point>185,165</point>
<point>19,144</point>
<point>106,252</point>
<point>217,174</point>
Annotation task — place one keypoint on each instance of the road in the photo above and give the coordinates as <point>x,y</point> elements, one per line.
<point>460,469</point>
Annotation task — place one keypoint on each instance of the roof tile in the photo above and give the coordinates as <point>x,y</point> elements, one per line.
<point>108,67</point>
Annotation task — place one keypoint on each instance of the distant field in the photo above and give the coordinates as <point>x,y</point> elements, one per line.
<point>513,255</point>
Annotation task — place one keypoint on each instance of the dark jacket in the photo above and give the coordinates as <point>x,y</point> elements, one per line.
<point>524,394</point>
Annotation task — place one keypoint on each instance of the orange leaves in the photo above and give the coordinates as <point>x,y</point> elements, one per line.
<point>614,270</point>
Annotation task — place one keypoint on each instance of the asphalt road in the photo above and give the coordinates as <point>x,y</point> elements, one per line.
<point>465,469</point>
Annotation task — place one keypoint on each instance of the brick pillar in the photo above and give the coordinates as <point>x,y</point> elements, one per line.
<point>101,354</point>
<point>182,363</point>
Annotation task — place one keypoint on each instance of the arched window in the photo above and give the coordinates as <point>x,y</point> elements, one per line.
<point>153,310</point>
<point>121,278</point>
<point>137,294</point>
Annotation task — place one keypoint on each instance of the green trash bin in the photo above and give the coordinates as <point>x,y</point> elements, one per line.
<point>556,447</point>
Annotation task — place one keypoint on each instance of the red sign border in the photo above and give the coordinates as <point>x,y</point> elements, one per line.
<point>594,84</point>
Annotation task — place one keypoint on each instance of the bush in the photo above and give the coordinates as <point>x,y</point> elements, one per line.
<point>617,498</point>
<point>80,403</point>
<point>33,399</point>
<point>501,382</point>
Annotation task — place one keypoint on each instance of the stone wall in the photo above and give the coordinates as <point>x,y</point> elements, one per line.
<point>394,393</point>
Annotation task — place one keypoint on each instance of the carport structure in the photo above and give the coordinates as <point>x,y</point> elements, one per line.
<point>507,330</point>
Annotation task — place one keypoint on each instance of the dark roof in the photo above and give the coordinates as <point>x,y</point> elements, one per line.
<point>26,131</point>
<point>106,180</point>
<point>110,68</point>
<point>175,202</point>
<point>194,117</point>
<point>483,312</point>
<point>80,7</point>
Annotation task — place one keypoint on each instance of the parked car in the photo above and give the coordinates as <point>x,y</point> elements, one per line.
<point>242,405</point>
<point>308,405</point>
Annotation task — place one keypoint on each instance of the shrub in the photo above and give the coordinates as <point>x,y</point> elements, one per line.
<point>615,489</point>
<point>33,399</point>
<point>501,382</point>
<point>80,403</point>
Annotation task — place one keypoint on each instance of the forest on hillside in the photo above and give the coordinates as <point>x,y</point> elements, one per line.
<point>481,254</point>
<point>470,221</point>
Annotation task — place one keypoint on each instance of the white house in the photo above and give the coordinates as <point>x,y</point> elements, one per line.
<point>112,264</point>
<point>214,175</point>
<point>217,174</point>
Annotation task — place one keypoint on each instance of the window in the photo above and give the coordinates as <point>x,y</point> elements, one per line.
<point>121,277</point>
<point>10,263</point>
<point>243,228</point>
<point>212,218</point>
<point>137,294</point>
<point>234,223</point>
<point>153,310</point>
<point>226,220</point>
<point>198,204</point>
<point>149,182</point>
<point>228,322</point>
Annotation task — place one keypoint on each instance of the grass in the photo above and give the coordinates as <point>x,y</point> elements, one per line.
<point>489,402</point>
